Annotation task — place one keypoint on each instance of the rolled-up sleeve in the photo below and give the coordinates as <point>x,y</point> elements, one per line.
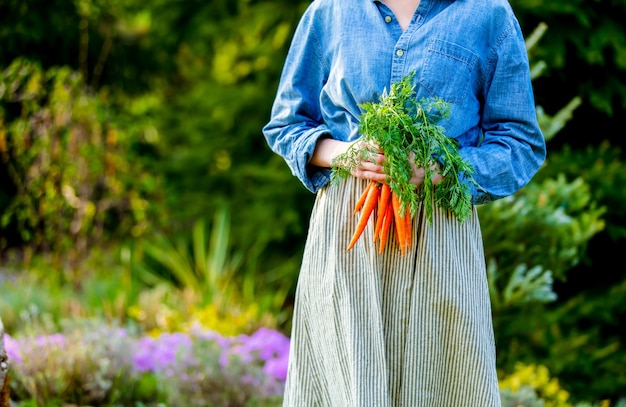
<point>513,147</point>
<point>296,122</point>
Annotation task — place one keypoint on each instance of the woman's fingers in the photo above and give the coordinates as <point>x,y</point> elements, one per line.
<point>371,165</point>
<point>370,170</point>
<point>419,173</point>
<point>437,177</point>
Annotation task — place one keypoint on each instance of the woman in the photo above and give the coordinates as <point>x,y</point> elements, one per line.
<point>392,330</point>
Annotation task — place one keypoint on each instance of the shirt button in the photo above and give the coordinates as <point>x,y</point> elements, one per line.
<point>387,19</point>
<point>399,52</point>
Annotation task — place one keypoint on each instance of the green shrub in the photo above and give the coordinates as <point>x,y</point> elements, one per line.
<point>582,343</point>
<point>72,180</point>
<point>535,235</point>
<point>602,168</point>
<point>578,336</point>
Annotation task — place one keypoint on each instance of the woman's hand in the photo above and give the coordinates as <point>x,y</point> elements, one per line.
<point>370,166</point>
<point>419,174</point>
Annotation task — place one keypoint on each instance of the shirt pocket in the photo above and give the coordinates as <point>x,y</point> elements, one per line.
<point>447,70</point>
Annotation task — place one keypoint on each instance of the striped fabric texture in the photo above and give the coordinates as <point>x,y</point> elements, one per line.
<point>372,330</point>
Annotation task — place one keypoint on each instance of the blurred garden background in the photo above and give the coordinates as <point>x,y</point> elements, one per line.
<point>150,241</point>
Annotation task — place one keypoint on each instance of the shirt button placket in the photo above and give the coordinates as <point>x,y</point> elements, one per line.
<point>397,67</point>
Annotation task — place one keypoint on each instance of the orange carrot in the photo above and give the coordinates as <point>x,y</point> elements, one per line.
<point>368,207</point>
<point>408,226</point>
<point>384,232</point>
<point>383,202</point>
<point>361,201</point>
<point>399,222</point>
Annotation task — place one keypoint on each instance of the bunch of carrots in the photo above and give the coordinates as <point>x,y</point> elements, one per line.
<point>379,201</point>
<point>407,131</point>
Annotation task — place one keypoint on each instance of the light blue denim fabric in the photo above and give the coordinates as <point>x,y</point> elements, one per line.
<point>471,54</point>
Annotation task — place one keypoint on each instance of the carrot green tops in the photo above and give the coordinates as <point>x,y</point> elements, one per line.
<point>346,53</point>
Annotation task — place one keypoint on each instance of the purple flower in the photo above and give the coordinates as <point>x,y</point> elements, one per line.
<point>277,367</point>
<point>157,354</point>
<point>267,346</point>
<point>143,355</point>
<point>12,348</point>
<point>52,341</point>
<point>269,343</point>
<point>222,341</point>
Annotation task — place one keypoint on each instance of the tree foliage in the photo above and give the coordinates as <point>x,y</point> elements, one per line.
<point>585,48</point>
<point>74,180</point>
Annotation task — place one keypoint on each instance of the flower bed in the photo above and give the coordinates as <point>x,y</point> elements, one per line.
<point>102,365</point>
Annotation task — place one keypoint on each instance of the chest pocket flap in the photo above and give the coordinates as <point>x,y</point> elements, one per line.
<point>447,71</point>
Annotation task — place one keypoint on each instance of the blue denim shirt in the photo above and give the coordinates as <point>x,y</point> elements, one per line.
<point>472,55</point>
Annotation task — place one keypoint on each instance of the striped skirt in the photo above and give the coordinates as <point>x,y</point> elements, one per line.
<point>391,330</point>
